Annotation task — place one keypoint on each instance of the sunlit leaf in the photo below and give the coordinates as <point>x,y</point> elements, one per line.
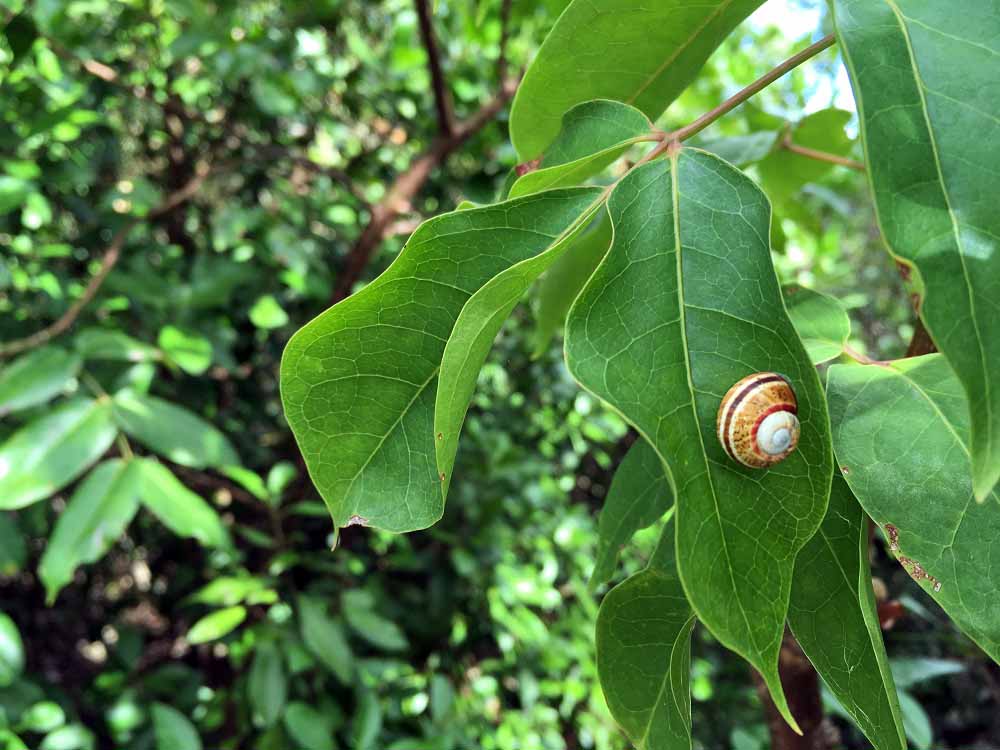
<point>216,624</point>
<point>180,510</point>
<point>36,377</point>
<point>821,321</point>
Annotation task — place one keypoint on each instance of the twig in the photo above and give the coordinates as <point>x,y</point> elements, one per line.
<point>811,153</point>
<point>108,261</point>
<point>859,357</point>
<point>442,97</point>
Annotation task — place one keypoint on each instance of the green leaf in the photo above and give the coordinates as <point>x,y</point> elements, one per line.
<point>914,671</point>
<point>11,651</point>
<point>13,546</point>
<point>358,383</point>
<point>821,321</point>
<point>188,350</point>
<point>833,616</point>
<point>172,431</point>
<point>639,495</point>
<point>35,378</point>
<point>325,638</point>
<point>217,624</point>
<point>562,283</point>
<point>923,76</point>
<point>21,33</point>
<point>173,731</point>
<point>178,508</point>
<point>477,326</point>
<point>311,729</point>
<point>644,653</point>
<point>99,343</point>
<point>742,150</point>
<point>367,722</point>
<point>901,433</point>
<point>267,313</point>
<point>684,305</point>
<point>69,737</point>
<point>229,590</point>
<point>640,53</point>
<point>593,135</point>
<point>267,684</point>
<point>42,717</point>
<point>916,722</point>
<point>783,173</point>
<point>97,514</point>
<point>53,450</point>
<point>369,625</point>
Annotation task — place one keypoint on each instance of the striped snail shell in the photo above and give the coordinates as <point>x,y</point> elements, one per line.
<point>757,423</point>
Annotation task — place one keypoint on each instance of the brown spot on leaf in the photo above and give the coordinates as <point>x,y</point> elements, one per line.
<point>917,572</point>
<point>529,166</point>
<point>893,533</point>
<point>442,476</point>
<point>357,520</point>
<point>845,470</point>
<point>904,270</point>
<point>440,436</point>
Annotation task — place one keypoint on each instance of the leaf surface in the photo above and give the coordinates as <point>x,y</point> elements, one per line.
<point>267,685</point>
<point>97,514</point>
<point>173,730</point>
<point>821,321</point>
<point>644,653</point>
<point>593,135</point>
<point>639,495</point>
<point>833,616</point>
<point>685,304</point>
<point>172,431</point>
<point>325,638</point>
<point>640,53</point>
<point>359,382</point>
<point>216,624</point>
<point>901,434</point>
<point>53,450</point>
<point>36,377</point>
<point>178,508</point>
<point>11,651</point>
<point>742,150</point>
<point>783,172</point>
<point>924,77</point>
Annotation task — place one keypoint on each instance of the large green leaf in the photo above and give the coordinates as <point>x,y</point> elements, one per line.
<point>473,335</point>
<point>53,450</point>
<point>832,614</point>
<point>644,653</point>
<point>638,496</point>
<point>593,135</point>
<point>97,514</point>
<point>901,434</point>
<point>924,78</point>
<point>358,383</point>
<point>172,431</point>
<point>562,283</point>
<point>631,51</point>
<point>685,304</point>
<point>36,377</point>
<point>821,321</point>
<point>180,510</point>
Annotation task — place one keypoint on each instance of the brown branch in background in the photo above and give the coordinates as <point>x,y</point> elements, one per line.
<point>442,97</point>
<point>402,192</point>
<point>801,684</point>
<point>108,262</point>
<point>811,153</point>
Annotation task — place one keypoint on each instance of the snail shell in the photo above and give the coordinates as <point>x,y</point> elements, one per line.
<point>757,423</point>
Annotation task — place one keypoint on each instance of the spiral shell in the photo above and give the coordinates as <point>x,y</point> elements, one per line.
<point>757,423</point>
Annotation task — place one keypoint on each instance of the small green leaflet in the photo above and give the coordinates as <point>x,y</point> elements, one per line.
<point>901,433</point>
<point>593,135</point>
<point>821,321</point>
<point>172,431</point>
<point>173,730</point>
<point>177,507</point>
<point>216,624</point>
<point>98,343</point>
<point>359,382</point>
<point>644,653</point>
<point>742,150</point>
<point>924,77</point>
<point>11,651</point>
<point>53,450</point>
<point>267,684</point>
<point>685,304</point>
<point>639,495</point>
<point>832,614</point>
<point>325,638</point>
<point>97,514</point>
<point>35,378</point>
<point>640,53</point>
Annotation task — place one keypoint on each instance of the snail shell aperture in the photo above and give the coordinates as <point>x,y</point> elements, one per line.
<point>757,423</point>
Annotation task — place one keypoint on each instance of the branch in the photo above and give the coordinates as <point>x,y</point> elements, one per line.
<point>108,261</point>
<point>397,200</point>
<point>821,155</point>
<point>442,97</point>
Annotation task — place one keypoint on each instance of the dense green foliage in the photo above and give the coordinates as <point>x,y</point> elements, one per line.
<point>185,185</point>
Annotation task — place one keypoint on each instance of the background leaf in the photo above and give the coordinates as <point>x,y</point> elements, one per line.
<point>36,377</point>
<point>178,508</point>
<point>53,450</point>
<point>927,70</point>
<point>821,322</point>
<point>216,624</point>
<point>630,51</point>
<point>267,684</point>
<point>325,638</point>
<point>97,514</point>
<point>901,435</point>
<point>172,729</point>
<point>11,651</point>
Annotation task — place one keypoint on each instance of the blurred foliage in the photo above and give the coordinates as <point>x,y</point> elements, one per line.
<point>476,633</point>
